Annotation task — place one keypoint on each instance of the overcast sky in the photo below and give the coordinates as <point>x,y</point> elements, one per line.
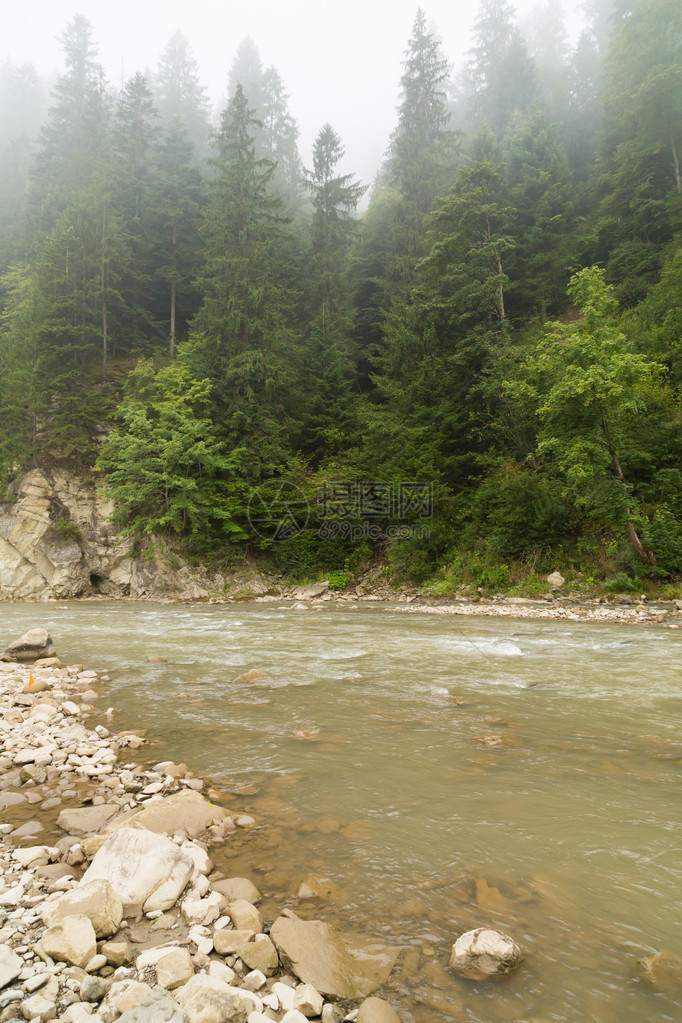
<point>341,62</point>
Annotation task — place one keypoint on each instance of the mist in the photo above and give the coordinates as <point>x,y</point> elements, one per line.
<point>340,65</point>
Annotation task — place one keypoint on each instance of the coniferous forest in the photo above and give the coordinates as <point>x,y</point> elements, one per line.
<point>188,312</point>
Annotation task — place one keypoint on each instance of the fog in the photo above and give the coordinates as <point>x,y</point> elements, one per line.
<point>340,63</point>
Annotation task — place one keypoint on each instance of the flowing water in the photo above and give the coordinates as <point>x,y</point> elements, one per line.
<point>425,775</point>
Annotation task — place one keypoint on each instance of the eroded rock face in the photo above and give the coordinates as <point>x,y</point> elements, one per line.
<point>484,953</point>
<point>33,645</point>
<point>146,871</point>
<point>337,965</point>
<point>57,540</point>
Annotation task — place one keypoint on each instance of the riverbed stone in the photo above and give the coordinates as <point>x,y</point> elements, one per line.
<point>485,952</point>
<point>118,953</point>
<point>156,1006</point>
<point>95,899</point>
<point>147,871</point>
<point>72,941</point>
<point>260,955</point>
<point>376,1010</point>
<point>308,1001</point>
<point>10,965</point>
<point>237,888</point>
<point>30,647</point>
<point>337,965</point>
<point>84,820</point>
<point>174,969</point>
<point>245,916</point>
<point>208,1000</point>
<point>228,942</point>
<point>38,1007</point>
<point>182,811</point>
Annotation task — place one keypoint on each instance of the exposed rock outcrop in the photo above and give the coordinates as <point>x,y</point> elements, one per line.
<point>58,540</point>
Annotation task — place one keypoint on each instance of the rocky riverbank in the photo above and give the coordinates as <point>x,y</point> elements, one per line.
<point>110,906</point>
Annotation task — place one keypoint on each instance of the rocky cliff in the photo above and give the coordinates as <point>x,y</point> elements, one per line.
<point>57,540</point>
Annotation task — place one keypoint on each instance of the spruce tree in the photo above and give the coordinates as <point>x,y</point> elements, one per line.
<point>242,339</point>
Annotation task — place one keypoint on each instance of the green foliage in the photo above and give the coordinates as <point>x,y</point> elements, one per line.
<point>339,579</point>
<point>165,469</point>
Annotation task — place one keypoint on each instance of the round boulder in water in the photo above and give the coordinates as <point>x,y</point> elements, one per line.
<point>33,645</point>
<point>484,953</point>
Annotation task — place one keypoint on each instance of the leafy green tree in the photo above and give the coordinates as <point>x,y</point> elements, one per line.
<point>593,390</point>
<point>165,469</point>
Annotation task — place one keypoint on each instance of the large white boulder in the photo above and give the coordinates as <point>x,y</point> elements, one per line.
<point>147,871</point>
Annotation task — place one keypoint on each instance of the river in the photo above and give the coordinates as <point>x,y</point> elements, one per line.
<point>427,775</point>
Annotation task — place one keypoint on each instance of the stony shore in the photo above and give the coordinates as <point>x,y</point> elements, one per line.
<point>110,906</point>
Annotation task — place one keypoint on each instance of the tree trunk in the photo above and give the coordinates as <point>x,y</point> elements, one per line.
<point>676,165</point>
<point>171,340</point>
<point>644,553</point>
<point>499,270</point>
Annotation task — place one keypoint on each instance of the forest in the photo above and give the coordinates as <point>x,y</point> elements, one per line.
<point>190,315</point>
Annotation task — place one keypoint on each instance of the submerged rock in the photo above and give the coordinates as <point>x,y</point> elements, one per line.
<point>662,971</point>
<point>484,953</point>
<point>376,1010</point>
<point>33,645</point>
<point>337,965</point>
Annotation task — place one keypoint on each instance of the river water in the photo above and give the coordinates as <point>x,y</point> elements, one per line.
<point>425,775</point>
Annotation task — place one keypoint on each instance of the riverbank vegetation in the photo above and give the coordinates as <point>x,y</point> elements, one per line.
<point>192,313</point>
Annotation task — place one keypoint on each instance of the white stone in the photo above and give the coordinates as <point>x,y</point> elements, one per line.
<point>72,941</point>
<point>207,1000</point>
<point>10,965</point>
<point>245,916</point>
<point>294,1016</point>
<point>146,871</point>
<point>308,1001</point>
<point>485,952</point>
<point>70,708</point>
<point>254,980</point>
<point>285,994</point>
<point>95,899</point>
